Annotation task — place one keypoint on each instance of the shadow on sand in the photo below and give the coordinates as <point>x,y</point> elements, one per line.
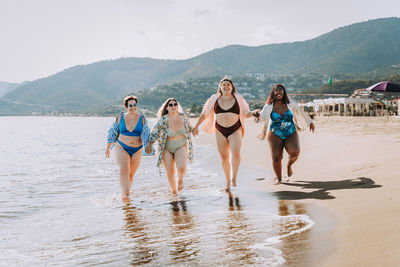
<point>324,188</point>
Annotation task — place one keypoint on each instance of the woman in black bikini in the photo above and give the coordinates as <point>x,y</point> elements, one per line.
<point>226,111</point>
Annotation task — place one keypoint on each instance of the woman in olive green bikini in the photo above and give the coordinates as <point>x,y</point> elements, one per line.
<point>175,148</point>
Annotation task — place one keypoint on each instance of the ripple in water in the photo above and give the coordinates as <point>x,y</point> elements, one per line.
<point>60,205</point>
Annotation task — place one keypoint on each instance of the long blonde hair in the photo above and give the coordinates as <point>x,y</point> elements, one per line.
<point>163,109</point>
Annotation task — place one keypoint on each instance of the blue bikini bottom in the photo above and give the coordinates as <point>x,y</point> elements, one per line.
<point>130,150</point>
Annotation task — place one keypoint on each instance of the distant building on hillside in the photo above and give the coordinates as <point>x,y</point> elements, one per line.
<point>258,76</point>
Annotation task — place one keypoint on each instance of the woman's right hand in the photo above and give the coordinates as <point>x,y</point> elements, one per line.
<point>149,149</point>
<point>107,153</point>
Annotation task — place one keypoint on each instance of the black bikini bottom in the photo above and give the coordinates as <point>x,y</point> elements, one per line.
<point>227,131</point>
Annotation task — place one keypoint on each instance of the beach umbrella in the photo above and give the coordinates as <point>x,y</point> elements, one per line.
<point>385,87</point>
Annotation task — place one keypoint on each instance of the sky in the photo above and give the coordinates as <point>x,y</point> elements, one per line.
<point>39,38</point>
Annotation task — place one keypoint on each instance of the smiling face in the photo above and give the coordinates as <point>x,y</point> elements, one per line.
<point>131,106</point>
<point>172,106</point>
<point>278,93</point>
<point>226,88</point>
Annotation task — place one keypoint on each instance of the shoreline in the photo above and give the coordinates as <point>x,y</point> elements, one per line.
<point>346,170</point>
<point>314,242</point>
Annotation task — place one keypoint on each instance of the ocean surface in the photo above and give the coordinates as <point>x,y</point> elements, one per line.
<point>60,205</point>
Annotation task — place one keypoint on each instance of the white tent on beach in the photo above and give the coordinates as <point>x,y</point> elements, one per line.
<point>348,106</point>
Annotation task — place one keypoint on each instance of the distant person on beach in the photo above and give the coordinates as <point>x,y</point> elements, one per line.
<point>129,133</point>
<point>226,111</point>
<point>175,148</point>
<point>283,118</point>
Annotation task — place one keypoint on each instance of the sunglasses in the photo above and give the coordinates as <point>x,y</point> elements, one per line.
<point>132,105</point>
<point>278,90</point>
<point>172,104</point>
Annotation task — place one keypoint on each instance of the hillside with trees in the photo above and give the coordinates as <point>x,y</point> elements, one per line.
<point>366,50</point>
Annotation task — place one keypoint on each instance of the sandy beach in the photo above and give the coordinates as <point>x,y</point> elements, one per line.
<point>339,209</point>
<point>349,169</point>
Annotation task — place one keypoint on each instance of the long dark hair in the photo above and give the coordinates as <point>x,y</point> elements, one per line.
<point>226,79</point>
<point>163,109</point>
<point>271,97</point>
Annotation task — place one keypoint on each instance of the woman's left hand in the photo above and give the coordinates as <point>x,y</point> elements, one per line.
<point>312,127</point>
<point>195,131</point>
<point>148,149</point>
<point>256,114</point>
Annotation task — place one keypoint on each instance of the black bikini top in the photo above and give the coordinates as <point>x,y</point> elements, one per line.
<point>234,109</point>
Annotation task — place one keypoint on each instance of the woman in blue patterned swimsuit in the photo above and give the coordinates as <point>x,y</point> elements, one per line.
<point>283,119</point>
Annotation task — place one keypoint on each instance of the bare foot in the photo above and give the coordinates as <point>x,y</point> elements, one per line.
<point>173,191</point>
<point>289,171</point>
<point>180,184</point>
<point>125,199</point>
<point>234,181</point>
<point>228,186</point>
<point>277,181</point>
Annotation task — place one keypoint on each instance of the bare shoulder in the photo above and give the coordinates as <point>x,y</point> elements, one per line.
<point>143,119</point>
<point>119,117</point>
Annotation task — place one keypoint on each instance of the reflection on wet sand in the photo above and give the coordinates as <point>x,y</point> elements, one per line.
<point>234,203</point>
<point>226,237</point>
<point>141,252</point>
<point>238,234</point>
<point>184,247</point>
<point>295,247</point>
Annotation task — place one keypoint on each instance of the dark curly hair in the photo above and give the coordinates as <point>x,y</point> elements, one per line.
<point>271,97</point>
<point>128,98</point>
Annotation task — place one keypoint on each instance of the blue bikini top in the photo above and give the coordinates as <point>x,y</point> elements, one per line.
<point>135,132</point>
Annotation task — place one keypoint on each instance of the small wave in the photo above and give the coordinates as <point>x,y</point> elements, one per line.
<point>112,200</point>
<point>291,221</point>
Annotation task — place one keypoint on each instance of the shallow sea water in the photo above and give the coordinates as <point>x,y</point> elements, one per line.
<point>60,205</point>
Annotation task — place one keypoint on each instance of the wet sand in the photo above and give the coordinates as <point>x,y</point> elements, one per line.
<point>202,226</point>
<point>347,178</point>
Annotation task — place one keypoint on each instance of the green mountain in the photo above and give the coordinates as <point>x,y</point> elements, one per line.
<point>6,87</point>
<point>356,49</point>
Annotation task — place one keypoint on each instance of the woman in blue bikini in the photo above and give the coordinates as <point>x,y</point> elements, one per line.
<point>283,118</point>
<point>129,133</point>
